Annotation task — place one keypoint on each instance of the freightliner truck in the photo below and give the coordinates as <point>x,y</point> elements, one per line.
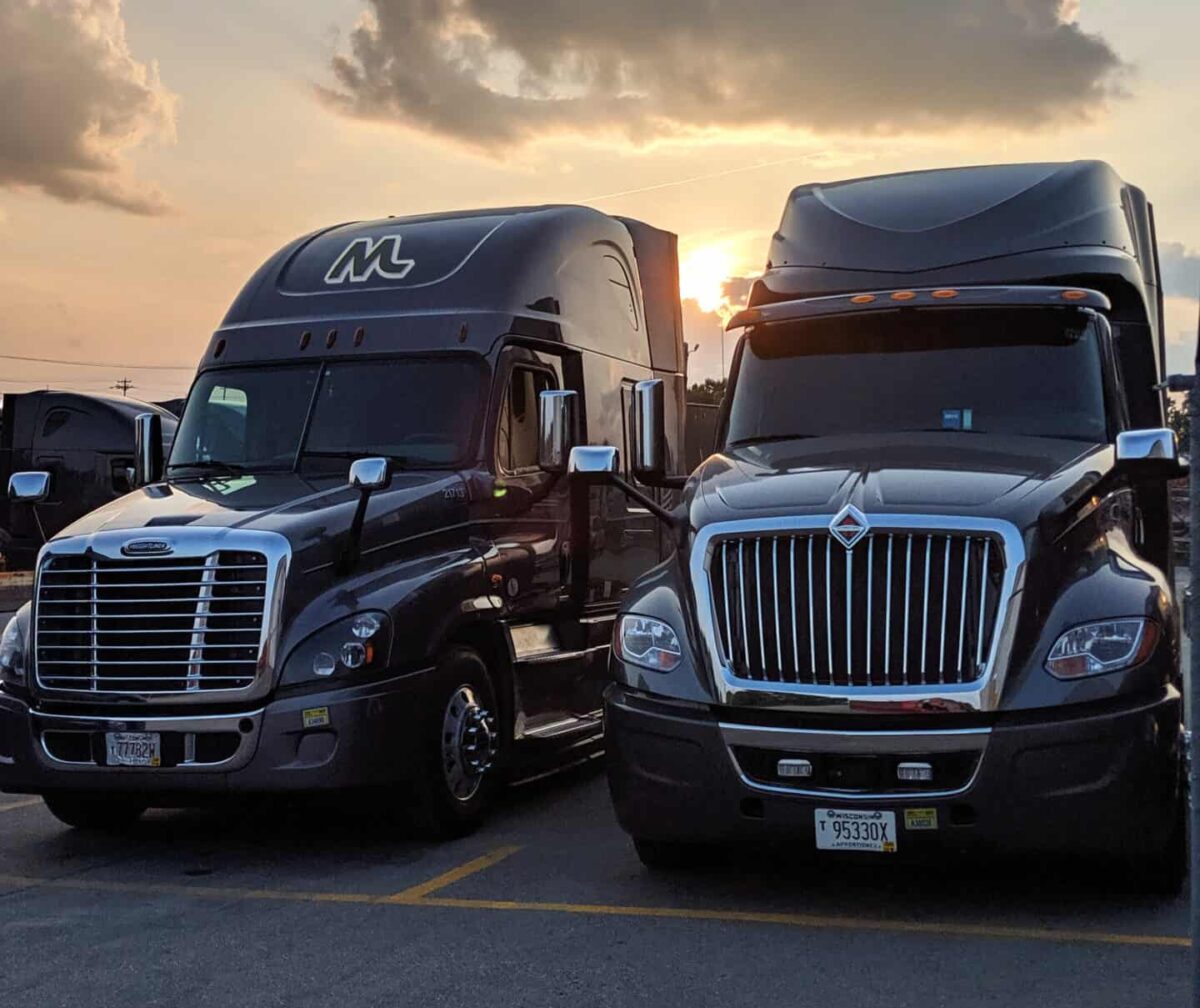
<point>922,597</point>
<point>353,572</point>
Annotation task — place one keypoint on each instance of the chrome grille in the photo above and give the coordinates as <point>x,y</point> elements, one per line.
<point>150,626</point>
<point>899,609</point>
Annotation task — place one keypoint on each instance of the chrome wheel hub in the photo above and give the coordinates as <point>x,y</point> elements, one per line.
<point>469,743</point>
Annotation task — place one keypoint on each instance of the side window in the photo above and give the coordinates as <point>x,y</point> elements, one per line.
<point>621,288</point>
<point>517,429</point>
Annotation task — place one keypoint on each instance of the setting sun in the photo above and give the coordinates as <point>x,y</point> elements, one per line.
<point>702,275</point>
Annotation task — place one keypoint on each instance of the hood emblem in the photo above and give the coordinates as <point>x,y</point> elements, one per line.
<point>849,526</point>
<point>146,547</point>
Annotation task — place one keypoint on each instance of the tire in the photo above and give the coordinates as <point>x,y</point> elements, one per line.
<point>672,855</point>
<point>98,812</point>
<point>459,747</point>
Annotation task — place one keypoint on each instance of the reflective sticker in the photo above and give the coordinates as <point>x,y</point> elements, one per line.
<point>920,819</point>
<point>315,717</point>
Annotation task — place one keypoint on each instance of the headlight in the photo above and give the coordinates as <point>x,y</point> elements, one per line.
<point>12,653</point>
<point>648,642</point>
<point>1107,646</point>
<point>349,647</point>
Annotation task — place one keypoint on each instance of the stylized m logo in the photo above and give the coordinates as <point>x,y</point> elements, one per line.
<point>365,256</point>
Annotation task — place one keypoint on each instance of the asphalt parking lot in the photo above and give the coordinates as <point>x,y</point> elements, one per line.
<point>309,904</point>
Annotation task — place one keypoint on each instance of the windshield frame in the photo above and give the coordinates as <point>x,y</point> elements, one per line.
<point>1115,412</point>
<point>471,444</point>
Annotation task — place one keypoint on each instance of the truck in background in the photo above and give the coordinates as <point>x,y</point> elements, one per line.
<point>922,599</point>
<point>84,441</point>
<point>354,572</point>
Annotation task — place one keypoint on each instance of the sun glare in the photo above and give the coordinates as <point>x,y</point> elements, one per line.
<point>702,275</point>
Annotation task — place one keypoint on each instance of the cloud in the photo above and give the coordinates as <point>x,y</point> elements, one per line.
<point>73,101</point>
<point>494,73</point>
<point>1180,270</point>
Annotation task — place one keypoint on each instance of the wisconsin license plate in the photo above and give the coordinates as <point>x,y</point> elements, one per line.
<point>856,830</point>
<point>134,749</point>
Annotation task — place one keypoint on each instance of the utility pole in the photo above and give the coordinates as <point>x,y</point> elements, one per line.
<point>124,385</point>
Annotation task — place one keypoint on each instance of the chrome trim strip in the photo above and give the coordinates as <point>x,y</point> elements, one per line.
<point>983,694</point>
<point>823,740</point>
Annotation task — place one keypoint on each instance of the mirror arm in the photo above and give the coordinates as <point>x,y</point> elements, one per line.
<point>656,509</point>
<point>353,548</point>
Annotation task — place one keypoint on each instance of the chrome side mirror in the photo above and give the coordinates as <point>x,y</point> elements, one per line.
<point>28,487</point>
<point>594,463</point>
<point>1152,453</point>
<point>649,436</point>
<point>558,427</point>
<point>370,474</point>
<point>147,449</point>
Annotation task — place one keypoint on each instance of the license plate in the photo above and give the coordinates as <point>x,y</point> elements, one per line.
<point>134,749</point>
<point>856,830</point>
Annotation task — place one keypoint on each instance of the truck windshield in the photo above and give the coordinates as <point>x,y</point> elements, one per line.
<point>419,411</point>
<point>995,371</point>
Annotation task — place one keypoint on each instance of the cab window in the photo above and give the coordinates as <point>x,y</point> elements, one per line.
<point>517,430</point>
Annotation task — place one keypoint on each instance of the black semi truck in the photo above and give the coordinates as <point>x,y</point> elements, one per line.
<point>354,571</point>
<point>923,594</point>
<point>84,441</point>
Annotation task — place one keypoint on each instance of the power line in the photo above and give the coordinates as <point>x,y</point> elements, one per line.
<point>104,364</point>
<point>704,178</point>
<point>124,385</point>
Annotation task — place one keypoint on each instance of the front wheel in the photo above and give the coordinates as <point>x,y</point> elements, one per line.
<point>460,742</point>
<point>99,812</point>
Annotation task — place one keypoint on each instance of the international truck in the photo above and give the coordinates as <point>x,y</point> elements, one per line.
<point>922,599</point>
<point>84,440</point>
<point>353,573</point>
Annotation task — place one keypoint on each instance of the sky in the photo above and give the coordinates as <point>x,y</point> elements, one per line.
<point>154,152</point>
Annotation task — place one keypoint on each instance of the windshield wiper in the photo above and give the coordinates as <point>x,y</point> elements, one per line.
<point>766,438</point>
<point>210,465</point>
<point>400,461</point>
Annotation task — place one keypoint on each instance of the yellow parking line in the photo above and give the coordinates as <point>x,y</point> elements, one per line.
<point>819,921</point>
<point>24,803</point>
<point>420,896</point>
<point>418,892</point>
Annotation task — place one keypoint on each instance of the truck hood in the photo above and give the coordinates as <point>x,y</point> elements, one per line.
<point>312,514</point>
<point>938,473</point>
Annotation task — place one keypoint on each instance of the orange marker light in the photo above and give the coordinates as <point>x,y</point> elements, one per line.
<point>903,295</point>
<point>945,293</point>
<point>862,299</point>
<point>1074,295</point>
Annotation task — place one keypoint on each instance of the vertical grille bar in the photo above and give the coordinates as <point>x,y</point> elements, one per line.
<point>887,618</point>
<point>829,607</point>
<point>962,608</point>
<point>778,635</point>
<point>945,613</point>
<point>93,608</point>
<point>728,611</point>
<point>812,635</point>
<point>200,623</point>
<point>925,609</point>
<point>907,605</point>
<point>983,580</point>
<point>762,645</point>
<point>849,616</point>
<point>870,579</point>
<point>795,638</point>
<point>742,595</point>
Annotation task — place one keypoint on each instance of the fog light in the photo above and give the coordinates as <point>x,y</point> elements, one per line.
<point>324,664</point>
<point>914,772</point>
<point>794,768</point>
